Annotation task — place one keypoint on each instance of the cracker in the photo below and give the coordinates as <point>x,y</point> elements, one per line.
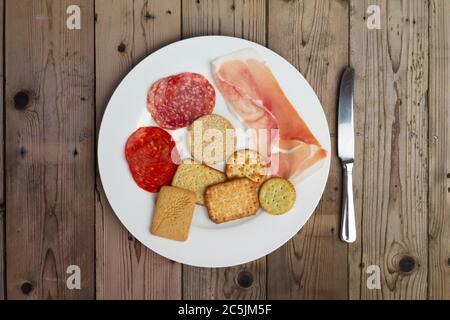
<point>173,214</point>
<point>232,200</point>
<point>249,164</point>
<point>197,178</point>
<point>277,196</point>
<point>211,139</point>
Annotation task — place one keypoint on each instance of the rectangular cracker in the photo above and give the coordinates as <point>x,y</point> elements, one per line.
<point>197,178</point>
<point>173,214</point>
<point>232,200</point>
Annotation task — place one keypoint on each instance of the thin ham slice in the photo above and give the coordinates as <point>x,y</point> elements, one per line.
<point>254,95</point>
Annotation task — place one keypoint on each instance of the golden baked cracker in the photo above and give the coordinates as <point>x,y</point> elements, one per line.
<point>277,196</point>
<point>232,200</point>
<point>211,139</point>
<point>173,214</point>
<point>197,177</point>
<point>249,164</point>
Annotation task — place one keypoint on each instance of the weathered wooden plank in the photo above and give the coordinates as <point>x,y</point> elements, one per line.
<point>127,31</point>
<point>236,18</point>
<point>315,40</point>
<point>392,66</point>
<point>356,270</point>
<point>49,149</point>
<point>2,187</point>
<point>245,19</point>
<point>439,151</point>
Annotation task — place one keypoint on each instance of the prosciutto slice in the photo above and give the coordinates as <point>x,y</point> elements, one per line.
<point>255,97</point>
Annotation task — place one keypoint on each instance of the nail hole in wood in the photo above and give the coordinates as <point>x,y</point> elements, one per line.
<point>168,12</point>
<point>245,279</point>
<point>75,152</point>
<point>23,152</point>
<point>21,100</point>
<point>122,47</point>
<point>448,175</point>
<point>407,264</point>
<point>26,287</point>
<point>149,16</point>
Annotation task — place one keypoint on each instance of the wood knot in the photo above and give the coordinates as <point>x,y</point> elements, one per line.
<point>26,287</point>
<point>21,100</point>
<point>407,264</point>
<point>245,279</point>
<point>122,47</point>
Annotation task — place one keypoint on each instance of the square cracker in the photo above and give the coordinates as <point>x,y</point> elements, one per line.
<point>197,177</point>
<point>173,214</point>
<point>232,200</point>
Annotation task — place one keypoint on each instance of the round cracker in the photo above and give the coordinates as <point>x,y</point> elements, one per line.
<point>277,196</point>
<point>247,164</point>
<point>211,139</point>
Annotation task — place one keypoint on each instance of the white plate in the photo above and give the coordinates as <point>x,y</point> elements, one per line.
<point>209,245</point>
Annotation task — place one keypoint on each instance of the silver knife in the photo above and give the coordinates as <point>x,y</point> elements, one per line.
<point>346,152</point>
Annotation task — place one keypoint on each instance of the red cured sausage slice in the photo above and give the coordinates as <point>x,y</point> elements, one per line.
<point>177,101</point>
<point>156,96</point>
<point>152,157</point>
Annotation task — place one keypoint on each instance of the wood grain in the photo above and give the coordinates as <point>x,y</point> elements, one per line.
<point>392,66</point>
<point>439,152</point>
<point>245,19</point>
<point>315,40</point>
<point>2,171</point>
<point>127,31</point>
<point>49,149</point>
<point>237,18</point>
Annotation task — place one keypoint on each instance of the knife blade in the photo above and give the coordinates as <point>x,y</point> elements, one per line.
<point>346,134</point>
<point>346,152</point>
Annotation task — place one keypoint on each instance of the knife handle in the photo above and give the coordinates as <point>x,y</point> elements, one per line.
<point>348,229</point>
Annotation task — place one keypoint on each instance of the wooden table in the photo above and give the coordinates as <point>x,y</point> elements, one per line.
<point>58,81</point>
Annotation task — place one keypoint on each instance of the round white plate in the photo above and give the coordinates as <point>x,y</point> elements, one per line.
<point>209,245</point>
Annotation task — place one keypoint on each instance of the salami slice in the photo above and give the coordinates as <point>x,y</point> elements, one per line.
<point>177,101</point>
<point>152,157</point>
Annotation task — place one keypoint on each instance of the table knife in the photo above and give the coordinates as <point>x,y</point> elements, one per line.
<point>346,152</point>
